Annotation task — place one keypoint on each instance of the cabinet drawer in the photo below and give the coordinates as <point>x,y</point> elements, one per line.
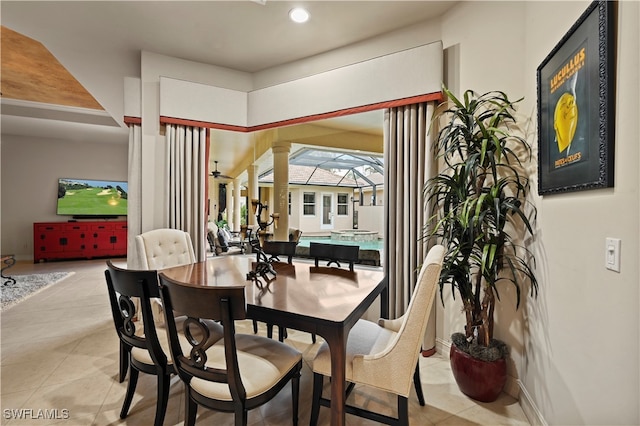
<point>102,227</point>
<point>76,227</point>
<point>48,227</point>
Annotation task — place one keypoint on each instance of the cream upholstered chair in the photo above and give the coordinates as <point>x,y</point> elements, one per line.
<point>383,355</point>
<point>239,372</point>
<point>164,248</point>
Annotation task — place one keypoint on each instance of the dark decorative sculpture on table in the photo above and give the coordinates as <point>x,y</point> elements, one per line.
<point>263,265</point>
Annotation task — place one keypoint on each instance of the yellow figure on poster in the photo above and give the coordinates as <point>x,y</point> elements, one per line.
<point>565,117</point>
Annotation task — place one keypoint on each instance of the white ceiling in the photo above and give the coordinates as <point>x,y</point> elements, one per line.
<point>99,42</point>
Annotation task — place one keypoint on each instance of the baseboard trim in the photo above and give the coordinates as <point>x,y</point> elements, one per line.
<point>443,346</point>
<point>514,388</point>
<point>529,408</point>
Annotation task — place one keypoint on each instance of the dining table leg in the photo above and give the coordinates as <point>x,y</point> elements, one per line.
<point>337,342</point>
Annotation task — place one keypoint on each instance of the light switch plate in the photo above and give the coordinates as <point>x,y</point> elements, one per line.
<point>612,254</point>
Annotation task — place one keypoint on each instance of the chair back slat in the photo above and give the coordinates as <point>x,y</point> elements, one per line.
<point>280,248</point>
<point>334,253</point>
<point>122,286</point>
<point>204,302</point>
<point>225,304</point>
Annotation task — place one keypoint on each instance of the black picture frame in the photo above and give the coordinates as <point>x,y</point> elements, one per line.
<point>576,105</point>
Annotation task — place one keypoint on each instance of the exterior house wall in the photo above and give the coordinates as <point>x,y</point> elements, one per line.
<point>367,194</point>
<point>371,218</point>
<point>312,224</point>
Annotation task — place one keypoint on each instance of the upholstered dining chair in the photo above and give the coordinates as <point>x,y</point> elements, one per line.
<point>383,355</point>
<point>235,374</point>
<point>164,248</point>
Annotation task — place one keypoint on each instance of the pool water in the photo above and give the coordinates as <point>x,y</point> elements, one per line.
<point>364,245</point>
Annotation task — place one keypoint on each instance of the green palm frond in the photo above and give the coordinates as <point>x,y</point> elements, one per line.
<point>479,207</point>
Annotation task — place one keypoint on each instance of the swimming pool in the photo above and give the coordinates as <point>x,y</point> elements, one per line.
<point>364,245</point>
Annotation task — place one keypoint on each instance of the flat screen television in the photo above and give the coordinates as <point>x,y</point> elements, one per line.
<point>85,198</point>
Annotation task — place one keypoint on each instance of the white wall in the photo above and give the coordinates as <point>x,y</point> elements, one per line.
<point>406,38</point>
<point>567,344</point>
<point>153,66</point>
<point>474,62</point>
<point>570,375</point>
<point>31,168</point>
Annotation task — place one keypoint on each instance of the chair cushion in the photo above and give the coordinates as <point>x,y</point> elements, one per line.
<point>365,338</point>
<point>143,355</point>
<point>262,362</point>
<point>222,239</point>
<point>294,235</point>
<point>227,235</point>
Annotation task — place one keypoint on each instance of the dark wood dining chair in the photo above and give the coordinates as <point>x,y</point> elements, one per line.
<point>235,374</point>
<point>280,248</point>
<point>334,253</point>
<point>382,355</point>
<point>140,349</point>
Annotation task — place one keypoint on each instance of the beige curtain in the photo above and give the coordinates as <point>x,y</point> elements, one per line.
<point>186,182</point>
<point>409,163</point>
<point>134,194</point>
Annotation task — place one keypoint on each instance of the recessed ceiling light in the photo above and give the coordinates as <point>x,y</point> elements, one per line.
<point>299,15</point>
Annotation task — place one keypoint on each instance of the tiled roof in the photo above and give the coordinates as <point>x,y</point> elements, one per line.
<point>307,175</point>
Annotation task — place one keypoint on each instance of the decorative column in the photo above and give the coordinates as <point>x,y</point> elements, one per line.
<point>236,205</point>
<point>230,207</point>
<point>252,190</point>
<point>280,151</point>
<point>213,199</point>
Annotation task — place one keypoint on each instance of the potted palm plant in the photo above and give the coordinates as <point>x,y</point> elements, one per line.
<point>481,215</point>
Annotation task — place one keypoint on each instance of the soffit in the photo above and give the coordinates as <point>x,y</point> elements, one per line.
<point>31,73</point>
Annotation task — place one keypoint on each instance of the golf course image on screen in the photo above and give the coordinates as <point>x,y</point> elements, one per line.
<point>83,197</point>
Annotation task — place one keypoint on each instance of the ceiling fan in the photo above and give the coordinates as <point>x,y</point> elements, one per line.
<point>216,174</point>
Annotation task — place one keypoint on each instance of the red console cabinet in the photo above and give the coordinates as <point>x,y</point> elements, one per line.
<point>79,240</point>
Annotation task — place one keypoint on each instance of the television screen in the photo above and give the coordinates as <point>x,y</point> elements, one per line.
<point>84,197</point>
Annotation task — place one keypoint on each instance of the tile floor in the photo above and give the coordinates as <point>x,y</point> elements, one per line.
<point>59,351</point>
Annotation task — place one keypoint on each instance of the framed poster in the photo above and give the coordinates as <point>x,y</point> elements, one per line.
<point>576,105</point>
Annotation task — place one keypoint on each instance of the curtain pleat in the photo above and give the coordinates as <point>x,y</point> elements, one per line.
<point>186,183</point>
<point>409,162</point>
<point>134,193</point>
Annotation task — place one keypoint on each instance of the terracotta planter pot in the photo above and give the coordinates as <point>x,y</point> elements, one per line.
<point>479,380</point>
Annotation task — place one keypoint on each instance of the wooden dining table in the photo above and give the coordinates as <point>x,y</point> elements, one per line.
<point>327,301</point>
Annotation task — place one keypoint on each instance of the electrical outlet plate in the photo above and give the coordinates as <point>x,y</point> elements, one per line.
<point>612,254</point>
